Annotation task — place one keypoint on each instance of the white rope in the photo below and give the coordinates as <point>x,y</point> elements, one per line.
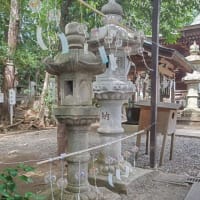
<point>51,181</point>
<point>79,179</point>
<point>95,176</point>
<point>47,160</point>
<point>62,178</point>
<point>19,162</point>
<point>92,148</point>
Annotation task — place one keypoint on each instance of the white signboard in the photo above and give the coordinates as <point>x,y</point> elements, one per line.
<point>1,97</point>
<point>12,97</point>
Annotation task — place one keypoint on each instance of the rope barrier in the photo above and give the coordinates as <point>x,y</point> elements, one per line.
<point>90,149</point>
<point>64,155</point>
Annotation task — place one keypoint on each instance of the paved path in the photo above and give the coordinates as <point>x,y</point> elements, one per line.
<point>188,131</point>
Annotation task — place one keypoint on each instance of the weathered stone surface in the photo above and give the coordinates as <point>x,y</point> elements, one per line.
<point>74,61</point>
<point>75,72</point>
<point>76,115</point>
<point>192,111</point>
<point>93,193</point>
<point>112,88</point>
<point>120,186</point>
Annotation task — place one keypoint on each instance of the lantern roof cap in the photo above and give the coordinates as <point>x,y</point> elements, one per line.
<point>194,48</point>
<point>112,7</point>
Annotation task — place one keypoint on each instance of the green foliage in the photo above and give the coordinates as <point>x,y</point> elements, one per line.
<point>8,185</point>
<point>174,15</point>
<point>28,58</point>
<point>28,62</point>
<point>3,52</point>
<point>49,102</point>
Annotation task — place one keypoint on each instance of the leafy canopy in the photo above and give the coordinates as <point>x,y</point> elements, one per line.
<point>174,15</point>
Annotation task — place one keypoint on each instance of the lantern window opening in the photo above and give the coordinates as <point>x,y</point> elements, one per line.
<point>68,87</point>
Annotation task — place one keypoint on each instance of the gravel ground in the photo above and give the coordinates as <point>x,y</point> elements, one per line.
<point>42,144</point>
<point>186,159</point>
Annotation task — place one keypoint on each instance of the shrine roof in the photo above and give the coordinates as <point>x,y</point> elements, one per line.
<point>172,56</point>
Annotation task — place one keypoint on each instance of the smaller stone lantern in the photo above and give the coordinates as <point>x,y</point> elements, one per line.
<point>192,111</point>
<point>112,89</point>
<point>75,71</point>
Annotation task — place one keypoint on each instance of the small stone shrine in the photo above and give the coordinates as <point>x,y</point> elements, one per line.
<point>115,44</point>
<point>75,71</point>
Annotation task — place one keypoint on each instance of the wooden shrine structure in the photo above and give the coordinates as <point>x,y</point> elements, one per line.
<point>172,65</point>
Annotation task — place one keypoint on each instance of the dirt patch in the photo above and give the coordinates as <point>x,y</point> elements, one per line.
<point>40,145</point>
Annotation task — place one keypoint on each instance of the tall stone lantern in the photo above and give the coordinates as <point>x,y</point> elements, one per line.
<point>192,111</point>
<point>112,88</point>
<point>75,71</point>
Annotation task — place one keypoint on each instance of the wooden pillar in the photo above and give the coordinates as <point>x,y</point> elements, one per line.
<point>154,84</point>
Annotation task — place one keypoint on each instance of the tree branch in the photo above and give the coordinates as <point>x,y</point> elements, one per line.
<point>64,13</point>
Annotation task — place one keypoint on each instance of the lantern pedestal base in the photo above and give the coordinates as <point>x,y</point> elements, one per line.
<point>120,186</point>
<point>92,194</point>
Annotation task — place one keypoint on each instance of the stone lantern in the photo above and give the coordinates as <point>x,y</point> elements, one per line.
<point>192,110</point>
<point>75,71</point>
<point>112,88</point>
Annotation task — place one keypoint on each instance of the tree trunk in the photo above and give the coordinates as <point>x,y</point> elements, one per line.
<point>65,17</point>
<point>41,114</point>
<point>61,129</point>
<point>9,70</point>
<point>13,27</point>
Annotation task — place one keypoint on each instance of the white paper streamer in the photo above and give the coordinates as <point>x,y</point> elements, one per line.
<point>85,48</point>
<point>118,174</point>
<point>127,171</point>
<point>165,83</point>
<point>127,69</point>
<point>39,38</point>
<point>54,15</point>
<point>113,62</point>
<point>103,55</point>
<point>118,43</point>
<point>61,183</point>
<point>1,97</point>
<point>110,179</point>
<point>64,43</point>
<point>49,177</point>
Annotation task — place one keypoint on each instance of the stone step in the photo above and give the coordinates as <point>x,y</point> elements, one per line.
<point>194,192</point>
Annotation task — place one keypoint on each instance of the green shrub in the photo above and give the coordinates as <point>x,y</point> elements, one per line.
<point>8,185</point>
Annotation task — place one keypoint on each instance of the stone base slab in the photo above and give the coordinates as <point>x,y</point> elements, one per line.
<point>190,117</point>
<point>120,186</point>
<point>94,193</point>
<point>194,113</point>
<point>188,121</point>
